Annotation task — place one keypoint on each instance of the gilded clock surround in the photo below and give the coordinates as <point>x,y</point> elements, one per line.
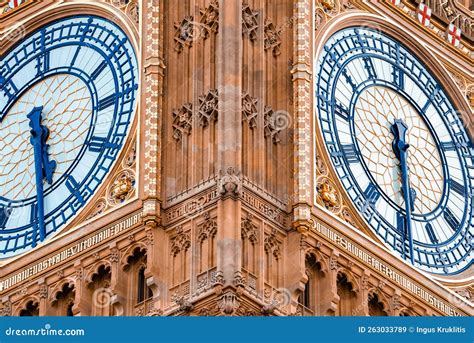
<point>190,214</point>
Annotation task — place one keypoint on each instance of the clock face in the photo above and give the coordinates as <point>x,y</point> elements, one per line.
<point>73,85</point>
<point>398,147</point>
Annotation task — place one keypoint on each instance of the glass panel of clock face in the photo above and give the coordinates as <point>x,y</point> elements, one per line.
<point>82,73</point>
<point>365,81</point>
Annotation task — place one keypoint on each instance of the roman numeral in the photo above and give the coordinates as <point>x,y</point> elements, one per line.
<point>448,146</point>
<point>107,102</point>
<point>341,111</point>
<point>8,88</point>
<point>452,221</point>
<point>431,233</point>
<point>73,187</point>
<point>369,66</point>
<point>4,216</point>
<point>349,79</point>
<point>372,194</point>
<point>97,144</point>
<point>401,223</point>
<point>350,153</point>
<point>98,70</point>
<point>398,77</point>
<point>42,64</point>
<point>457,187</point>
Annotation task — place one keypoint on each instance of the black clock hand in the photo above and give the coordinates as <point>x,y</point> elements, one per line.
<point>44,168</point>
<point>400,148</point>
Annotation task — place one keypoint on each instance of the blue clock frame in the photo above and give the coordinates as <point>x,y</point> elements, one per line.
<point>450,256</point>
<point>30,62</point>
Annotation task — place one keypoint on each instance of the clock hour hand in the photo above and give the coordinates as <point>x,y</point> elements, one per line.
<point>400,148</point>
<point>44,168</point>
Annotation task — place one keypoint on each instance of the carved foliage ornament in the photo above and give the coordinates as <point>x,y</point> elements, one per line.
<point>326,9</point>
<point>6,309</point>
<point>327,195</point>
<point>180,242</point>
<point>249,229</point>
<point>183,302</point>
<point>43,291</point>
<point>249,22</point>
<point>129,7</point>
<point>122,188</point>
<point>230,182</point>
<point>228,303</point>
<point>99,208</point>
<point>208,106</point>
<point>210,18</point>
<point>185,33</point>
<point>272,244</point>
<point>395,302</point>
<point>182,121</point>
<point>188,30</point>
<point>207,230</point>
<point>272,38</point>
<point>249,110</point>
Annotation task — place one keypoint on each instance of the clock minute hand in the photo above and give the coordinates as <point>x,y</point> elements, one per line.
<point>44,168</point>
<point>400,148</point>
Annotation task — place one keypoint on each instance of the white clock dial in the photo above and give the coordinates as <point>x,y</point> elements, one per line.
<point>67,108</point>
<point>399,148</point>
<point>68,95</point>
<point>375,111</point>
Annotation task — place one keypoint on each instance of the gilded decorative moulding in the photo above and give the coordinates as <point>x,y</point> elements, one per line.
<point>128,7</point>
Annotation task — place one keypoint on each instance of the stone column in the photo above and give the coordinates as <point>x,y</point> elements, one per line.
<point>82,302</point>
<point>118,284</point>
<point>152,79</point>
<point>43,297</point>
<point>395,303</point>
<point>229,138</point>
<point>302,93</point>
<point>303,113</point>
<point>363,296</point>
<point>151,74</point>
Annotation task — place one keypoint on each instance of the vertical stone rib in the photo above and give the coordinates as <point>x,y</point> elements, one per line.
<point>229,133</point>
<point>150,113</point>
<point>303,109</point>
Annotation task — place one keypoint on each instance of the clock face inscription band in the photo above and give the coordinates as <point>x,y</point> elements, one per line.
<point>366,83</point>
<point>72,87</point>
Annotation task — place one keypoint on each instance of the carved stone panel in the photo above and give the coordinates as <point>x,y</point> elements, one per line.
<point>208,107</point>
<point>210,18</point>
<point>185,33</point>
<point>249,22</point>
<point>182,121</point>
<point>249,110</point>
<point>272,38</point>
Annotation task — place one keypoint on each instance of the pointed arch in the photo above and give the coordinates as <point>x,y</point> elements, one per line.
<point>346,293</point>
<point>30,303</point>
<point>324,267</point>
<point>134,250</point>
<point>94,270</point>
<point>377,303</point>
<point>60,288</point>
<point>351,278</point>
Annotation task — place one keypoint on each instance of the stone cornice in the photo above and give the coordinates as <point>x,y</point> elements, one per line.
<point>58,250</point>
